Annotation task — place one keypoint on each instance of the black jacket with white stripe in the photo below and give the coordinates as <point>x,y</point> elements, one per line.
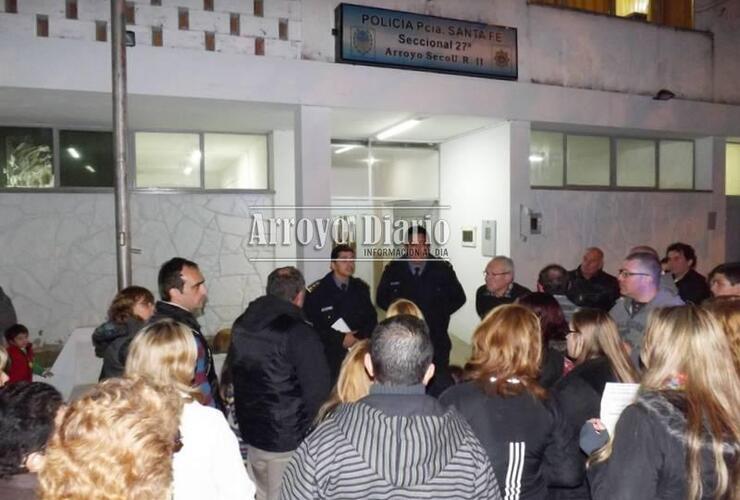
<point>397,443</point>
<point>526,439</point>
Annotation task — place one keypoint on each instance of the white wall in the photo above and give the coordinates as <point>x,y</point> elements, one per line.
<point>579,49</point>
<point>474,182</point>
<point>59,263</point>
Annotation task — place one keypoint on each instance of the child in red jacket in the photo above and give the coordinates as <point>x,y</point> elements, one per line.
<point>20,351</point>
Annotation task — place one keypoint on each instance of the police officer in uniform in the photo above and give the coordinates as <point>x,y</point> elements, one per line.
<point>339,295</point>
<point>432,285</point>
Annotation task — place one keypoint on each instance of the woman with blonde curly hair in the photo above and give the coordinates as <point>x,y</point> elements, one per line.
<point>116,442</point>
<point>353,383</point>
<point>209,464</point>
<point>681,438</point>
<point>522,432</point>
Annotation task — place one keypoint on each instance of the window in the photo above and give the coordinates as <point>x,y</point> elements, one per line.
<point>196,161</point>
<point>609,162</point>
<point>235,161</point>
<point>587,160</point>
<point>676,165</point>
<point>546,158</point>
<point>384,170</point>
<point>86,159</point>
<point>635,163</point>
<point>26,157</point>
<point>676,13</point>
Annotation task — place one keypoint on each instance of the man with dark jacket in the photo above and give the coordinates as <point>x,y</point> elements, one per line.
<point>183,291</point>
<point>590,285</point>
<point>340,298</point>
<point>432,285</point>
<point>500,287</point>
<point>397,442</point>
<point>280,375</point>
<point>692,286</point>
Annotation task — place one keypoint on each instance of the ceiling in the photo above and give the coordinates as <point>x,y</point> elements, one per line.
<point>94,110</point>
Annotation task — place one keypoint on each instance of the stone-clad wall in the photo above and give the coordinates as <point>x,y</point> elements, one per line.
<point>58,259</point>
<point>232,26</point>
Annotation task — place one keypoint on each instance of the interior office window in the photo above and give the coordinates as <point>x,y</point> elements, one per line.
<point>410,173</point>
<point>235,161</point>
<point>588,159</point>
<point>167,160</point>
<point>635,163</point>
<point>26,157</point>
<point>546,158</point>
<point>676,164</point>
<point>85,159</point>
<point>349,170</point>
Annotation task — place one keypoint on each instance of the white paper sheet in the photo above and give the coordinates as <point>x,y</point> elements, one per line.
<point>615,399</point>
<point>341,326</point>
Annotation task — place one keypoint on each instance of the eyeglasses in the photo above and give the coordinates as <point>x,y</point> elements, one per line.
<point>496,274</point>
<point>623,273</point>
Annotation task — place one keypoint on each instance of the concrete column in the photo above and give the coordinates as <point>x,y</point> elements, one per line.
<point>312,184</point>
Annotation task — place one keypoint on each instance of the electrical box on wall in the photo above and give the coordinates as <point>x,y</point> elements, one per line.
<point>468,237</point>
<point>488,238</point>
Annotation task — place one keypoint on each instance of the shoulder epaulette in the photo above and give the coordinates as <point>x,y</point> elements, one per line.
<point>313,286</point>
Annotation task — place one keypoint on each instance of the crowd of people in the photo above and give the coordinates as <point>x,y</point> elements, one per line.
<point>317,399</point>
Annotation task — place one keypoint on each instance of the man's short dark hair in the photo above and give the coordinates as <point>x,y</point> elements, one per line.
<point>554,279</point>
<point>416,230</point>
<point>27,411</point>
<point>13,331</point>
<point>339,249</point>
<point>649,264</point>
<point>285,283</point>
<point>401,350</point>
<point>170,276</point>
<point>731,271</point>
<point>686,250</point>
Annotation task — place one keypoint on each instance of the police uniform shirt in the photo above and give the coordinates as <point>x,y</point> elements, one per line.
<point>435,290</point>
<point>326,302</point>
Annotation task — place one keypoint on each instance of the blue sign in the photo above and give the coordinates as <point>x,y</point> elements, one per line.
<point>368,35</point>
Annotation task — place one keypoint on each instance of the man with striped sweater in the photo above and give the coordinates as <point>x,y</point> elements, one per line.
<point>397,442</point>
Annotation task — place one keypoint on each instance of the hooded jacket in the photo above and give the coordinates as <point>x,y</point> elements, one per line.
<point>387,446</point>
<point>111,341</point>
<point>648,459</point>
<point>280,374</point>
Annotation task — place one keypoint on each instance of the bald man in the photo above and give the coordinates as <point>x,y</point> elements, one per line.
<point>590,285</point>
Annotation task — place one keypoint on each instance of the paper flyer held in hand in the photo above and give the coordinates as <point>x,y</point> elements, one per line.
<point>341,325</point>
<point>615,399</point>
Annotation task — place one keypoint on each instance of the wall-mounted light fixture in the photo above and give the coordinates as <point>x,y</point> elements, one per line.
<point>664,95</point>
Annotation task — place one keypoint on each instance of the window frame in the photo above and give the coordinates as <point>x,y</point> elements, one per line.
<point>131,162</point>
<point>201,141</point>
<point>613,164</point>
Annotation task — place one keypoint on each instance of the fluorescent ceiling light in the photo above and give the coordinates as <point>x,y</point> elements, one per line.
<point>536,158</point>
<point>73,153</point>
<point>371,160</point>
<point>187,170</point>
<point>195,156</point>
<point>90,169</point>
<point>345,148</point>
<point>397,129</point>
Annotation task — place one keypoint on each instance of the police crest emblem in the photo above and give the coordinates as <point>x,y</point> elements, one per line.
<point>363,40</point>
<point>502,58</point>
